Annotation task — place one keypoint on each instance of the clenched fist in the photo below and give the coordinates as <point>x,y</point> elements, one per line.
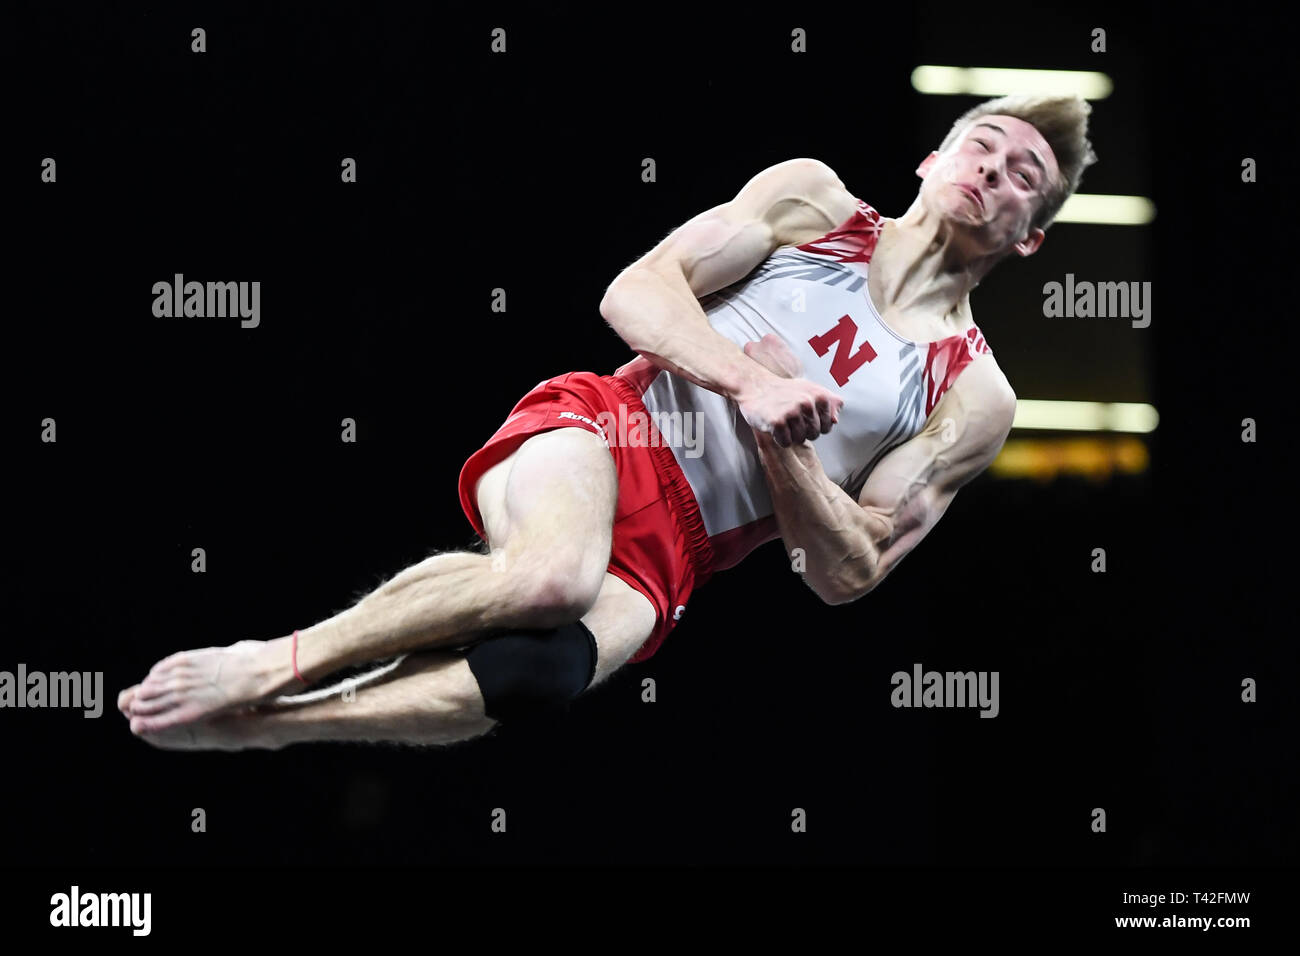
<point>789,408</point>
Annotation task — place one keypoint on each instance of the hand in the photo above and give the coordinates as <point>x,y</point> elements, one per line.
<point>791,410</point>
<point>773,354</point>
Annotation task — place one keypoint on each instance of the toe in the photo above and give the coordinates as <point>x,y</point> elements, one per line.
<point>124,699</point>
<point>142,724</point>
<point>152,705</point>
<point>154,686</point>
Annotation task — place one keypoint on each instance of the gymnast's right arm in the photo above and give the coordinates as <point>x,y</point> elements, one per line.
<point>653,303</point>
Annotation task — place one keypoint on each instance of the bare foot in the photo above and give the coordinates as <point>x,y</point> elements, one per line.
<point>194,685</point>
<point>237,730</point>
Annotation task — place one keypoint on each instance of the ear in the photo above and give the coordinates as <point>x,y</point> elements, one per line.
<point>1029,245</point>
<point>924,169</point>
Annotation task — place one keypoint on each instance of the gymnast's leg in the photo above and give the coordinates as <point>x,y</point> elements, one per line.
<point>549,511</point>
<point>431,698</point>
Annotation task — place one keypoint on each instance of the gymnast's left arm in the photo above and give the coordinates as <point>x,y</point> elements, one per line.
<point>850,546</point>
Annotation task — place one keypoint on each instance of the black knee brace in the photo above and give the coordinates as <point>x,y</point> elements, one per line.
<point>524,673</point>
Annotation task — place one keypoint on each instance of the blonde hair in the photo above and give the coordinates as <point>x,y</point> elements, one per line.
<point>1063,122</point>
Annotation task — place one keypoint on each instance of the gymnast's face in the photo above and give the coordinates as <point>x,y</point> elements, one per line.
<point>989,183</point>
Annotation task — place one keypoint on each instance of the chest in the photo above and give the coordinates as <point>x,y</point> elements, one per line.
<point>914,325</point>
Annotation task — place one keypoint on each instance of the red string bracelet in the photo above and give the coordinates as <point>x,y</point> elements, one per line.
<point>295,659</point>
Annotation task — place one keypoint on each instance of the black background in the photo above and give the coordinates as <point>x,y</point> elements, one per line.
<point>521,171</point>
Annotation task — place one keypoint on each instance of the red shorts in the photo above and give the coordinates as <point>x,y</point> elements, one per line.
<point>660,546</point>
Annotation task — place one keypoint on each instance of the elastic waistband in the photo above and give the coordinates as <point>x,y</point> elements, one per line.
<point>681,499</point>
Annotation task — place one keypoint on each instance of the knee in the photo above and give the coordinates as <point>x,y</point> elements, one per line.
<point>559,592</point>
<point>534,672</point>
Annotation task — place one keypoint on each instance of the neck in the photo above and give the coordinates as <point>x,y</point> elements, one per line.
<point>925,269</point>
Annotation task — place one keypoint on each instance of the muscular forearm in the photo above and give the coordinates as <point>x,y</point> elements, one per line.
<point>838,538</point>
<point>656,314</point>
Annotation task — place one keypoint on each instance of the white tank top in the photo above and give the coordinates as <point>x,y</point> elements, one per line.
<point>814,297</point>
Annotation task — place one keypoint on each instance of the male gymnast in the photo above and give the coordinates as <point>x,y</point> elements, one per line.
<point>794,314</point>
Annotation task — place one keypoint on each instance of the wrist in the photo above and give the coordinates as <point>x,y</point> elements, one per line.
<point>747,379</point>
<point>766,442</point>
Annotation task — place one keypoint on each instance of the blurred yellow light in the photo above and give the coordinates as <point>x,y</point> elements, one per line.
<point>1086,416</point>
<point>1107,210</point>
<point>993,81</point>
<point>1094,458</point>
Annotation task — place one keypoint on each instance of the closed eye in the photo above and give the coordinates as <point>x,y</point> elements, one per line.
<point>1028,181</point>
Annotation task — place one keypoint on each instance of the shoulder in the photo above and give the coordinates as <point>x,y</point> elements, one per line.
<point>980,400</point>
<point>984,395</point>
<point>983,379</point>
<point>803,172</point>
<point>968,427</point>
<point>804,197</point>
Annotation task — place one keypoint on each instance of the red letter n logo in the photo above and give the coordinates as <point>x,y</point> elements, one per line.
<point>841,336</point>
